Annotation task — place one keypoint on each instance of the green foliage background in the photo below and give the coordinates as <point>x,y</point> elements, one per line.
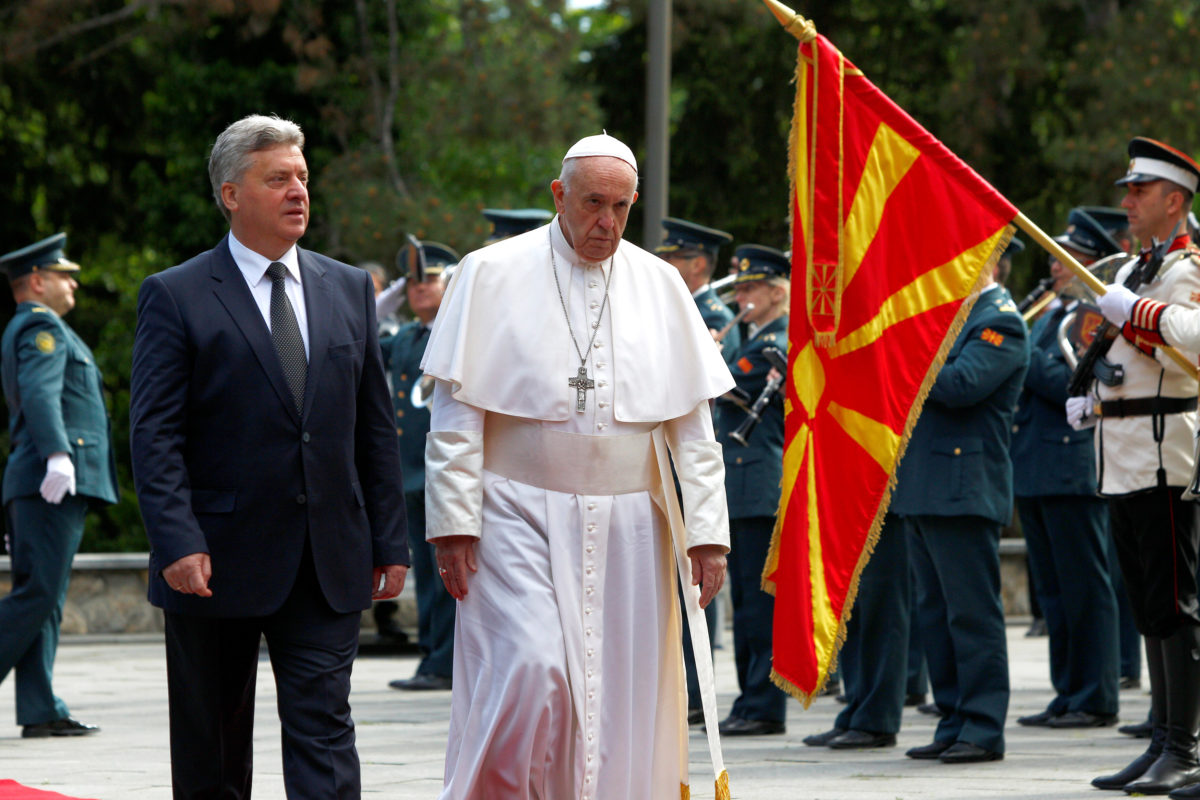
<point>419,113</point>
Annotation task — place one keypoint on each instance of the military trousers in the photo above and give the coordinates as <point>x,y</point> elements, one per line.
<point>956,561</point>
<point>753,615</point>
<point>435,605</point>
<point>44,538</point>
<point>875,655</point>
<point>1066,537</point>
<point>1156,535</point>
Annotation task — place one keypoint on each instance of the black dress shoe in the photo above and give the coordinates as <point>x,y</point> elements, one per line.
<point>915,700</point>
<point>823,739</point>
<point>1186,793</point>
<point>1082,719</point>
<point>423,682</point>
<point>858,740</point>
<point>1138,730</point>
<point>1036,628</point>
<point>59,727</point>
<point>1039,720</point>
<point>930,708</point>
<point>736,726</point>
<point>967,753</point>
<point>695,716</point>
<point>929,751</point>
<point>1130,682</point>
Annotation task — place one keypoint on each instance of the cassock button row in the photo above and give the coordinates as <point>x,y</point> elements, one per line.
<point>588,631</point>
<point>597,345</point>
<point>594,304</point>
<point>602,383</point>
<point>589,570</point>
<point>588,610</point>
<point>591,548</point>
<point>601,425</point>
<point>591,590</point>
<point>592,284</point>
<point>591,526</point>
<point>602,404</point>
<point>599,365</point>
<point>301,499</point>
<point>591,506</point>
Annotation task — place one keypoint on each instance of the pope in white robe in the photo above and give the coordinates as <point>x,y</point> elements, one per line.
<point>568,362</point>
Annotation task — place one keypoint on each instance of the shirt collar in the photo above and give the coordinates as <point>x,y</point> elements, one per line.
<point>254,266</point>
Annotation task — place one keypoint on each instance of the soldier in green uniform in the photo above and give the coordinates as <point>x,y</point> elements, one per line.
<point>61,458</point>
<point>435,606</point>
<point>692,249</point>
<point>508,222</point>
<point>753,472</point>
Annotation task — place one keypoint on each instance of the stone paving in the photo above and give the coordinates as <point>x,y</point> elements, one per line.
<point>120,684</point>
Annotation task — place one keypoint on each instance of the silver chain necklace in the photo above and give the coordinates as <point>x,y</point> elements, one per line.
<point>580,382</point>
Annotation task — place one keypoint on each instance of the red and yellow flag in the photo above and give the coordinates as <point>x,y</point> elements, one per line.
<point>891,234</point>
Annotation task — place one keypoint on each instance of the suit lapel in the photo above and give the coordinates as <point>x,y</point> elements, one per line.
<point>229,285</point>
<point>317,306</point>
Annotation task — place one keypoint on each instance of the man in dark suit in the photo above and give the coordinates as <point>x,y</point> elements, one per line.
<point>268,473</point>
<point>61,458</point>
<point>954,486</point>
<point>402,353</point>
<point>753,472</point>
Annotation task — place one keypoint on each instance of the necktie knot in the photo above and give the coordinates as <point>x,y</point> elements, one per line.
<point>276,271</point>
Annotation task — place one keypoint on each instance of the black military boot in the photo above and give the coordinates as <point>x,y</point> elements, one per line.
<point>1178,766</point>
<point>1158,713</point>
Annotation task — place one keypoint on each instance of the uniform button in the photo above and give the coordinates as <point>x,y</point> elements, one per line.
<point>958,451</point>
<point>79,441</point>
<point>301,499</point>
<point>399,432</point>
<point>737,460</point>
<point>1066,440</point>
<point>403,376</point>
<point>1016,428</point>
<point>400,395</point>
<point>305,437</point>
<point>399,412</point>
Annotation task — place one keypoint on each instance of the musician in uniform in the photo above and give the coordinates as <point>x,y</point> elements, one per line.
<point>954,486</point>
<point>753,472</point>
<point>692,249</point>
<point>1064,522</point>
<point>435,606</point>
<point>61,459</point>
<point>508,222</point>
<point>1144,438</point>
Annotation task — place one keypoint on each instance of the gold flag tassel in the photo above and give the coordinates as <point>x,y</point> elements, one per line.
<point>723,786</point>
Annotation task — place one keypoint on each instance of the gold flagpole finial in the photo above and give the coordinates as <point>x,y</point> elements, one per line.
<point>793,23</point>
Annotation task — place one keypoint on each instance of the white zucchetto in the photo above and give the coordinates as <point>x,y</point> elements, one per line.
<point>602,145</point>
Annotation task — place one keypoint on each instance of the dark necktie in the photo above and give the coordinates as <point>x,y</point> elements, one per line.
<point>285,332</point>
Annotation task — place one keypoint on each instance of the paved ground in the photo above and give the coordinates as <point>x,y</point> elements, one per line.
<point>121,685</point>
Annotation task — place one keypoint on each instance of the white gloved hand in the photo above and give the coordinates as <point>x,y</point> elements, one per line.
<point>1080,412</point>
<point>1116,303</point>
<point>59,480</point>
<point>390,299</point>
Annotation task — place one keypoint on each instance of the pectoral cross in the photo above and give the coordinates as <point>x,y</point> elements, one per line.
<point>581,383</point>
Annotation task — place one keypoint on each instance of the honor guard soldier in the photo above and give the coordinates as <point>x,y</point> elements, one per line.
<point>424,263</point>
<point>692,249</point>
<point>508,222</point>
<point>954,487</point>
<point>1064,522</point>
<point>753,471</point>
<point>61,459</point>
<point>1144,444</point>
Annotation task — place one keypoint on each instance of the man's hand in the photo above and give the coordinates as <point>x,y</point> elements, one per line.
<point>1116,303</point>
<point>455,560</point>
<point>190,575</point>
<point>392,578</point>
<point>1080,412</point>
<point>708,570</point>
<point>59,480</point>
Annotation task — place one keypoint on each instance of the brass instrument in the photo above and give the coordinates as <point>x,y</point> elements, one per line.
<point>724,294</point>
<point>754,413</point>
<point>422,391</point>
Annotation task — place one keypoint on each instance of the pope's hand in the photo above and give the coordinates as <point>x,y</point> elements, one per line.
<point>455,560</point>
<point>1080,412</point>
<point>59,480</point>
<point>708,570</point>
<point>1116,303</point>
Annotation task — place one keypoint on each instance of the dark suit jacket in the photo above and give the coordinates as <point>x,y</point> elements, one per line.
<point>1049,456</point>
<point>957,462</point>
<point>224,465</point>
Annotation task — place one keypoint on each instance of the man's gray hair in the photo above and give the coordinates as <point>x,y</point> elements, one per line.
<point>232,152</point>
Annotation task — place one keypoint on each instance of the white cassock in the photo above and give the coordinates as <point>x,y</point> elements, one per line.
<point>568,672</point>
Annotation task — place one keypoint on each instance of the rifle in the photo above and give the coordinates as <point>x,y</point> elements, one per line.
<point>1093,362</point>
<point>754,413</point>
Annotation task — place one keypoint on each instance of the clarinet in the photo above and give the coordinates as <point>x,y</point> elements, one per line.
<point>754,413</point>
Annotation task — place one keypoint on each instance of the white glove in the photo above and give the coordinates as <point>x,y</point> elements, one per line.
<point>1116,303</point>
<point>390,299</point>
<point>1080,412</point>
<point>59,480</point>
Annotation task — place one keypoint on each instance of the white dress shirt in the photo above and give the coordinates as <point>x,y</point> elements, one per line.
<point>254,269</point>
